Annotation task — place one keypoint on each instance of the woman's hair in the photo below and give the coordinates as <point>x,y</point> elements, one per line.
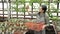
<point>44,7</point>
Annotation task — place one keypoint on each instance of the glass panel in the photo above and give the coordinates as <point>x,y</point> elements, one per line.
<point>5,15</point>
<point>20,13</point>
<point>5,12</point>
<point>21,16</point>
<point>51,10</point>
<point>1,12</point>
<point>35,9</point>
<point>34,16</point>
<point>35,12</point>
<point>0,6</point>
<point>50,20</point>
<point>53,5</point>
<point>27,16</point>
<point>20,5</point>
<point>58,14</point>
<point>13,16</point>
<point>36,6</point>
<point>27,3</point>
<point>26,13</point>
<point>13,6</point>
<point>1,15</point>
<point>54,14</point>
<point>13,12</point>
<point>5,6</point>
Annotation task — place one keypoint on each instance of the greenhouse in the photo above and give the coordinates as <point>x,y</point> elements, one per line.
<point>15,17</point>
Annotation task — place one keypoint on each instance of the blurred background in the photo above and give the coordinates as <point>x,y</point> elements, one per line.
<point>13,14</point>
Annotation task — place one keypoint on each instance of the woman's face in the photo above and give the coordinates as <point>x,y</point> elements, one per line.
<point>40,10</point>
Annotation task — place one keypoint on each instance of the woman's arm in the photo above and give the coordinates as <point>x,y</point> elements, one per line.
<point>46,21</point>
<point>29,13</point>
<point>47,18</point>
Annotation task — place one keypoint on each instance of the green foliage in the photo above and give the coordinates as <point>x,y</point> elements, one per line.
<point>38,1</point>
<point>21,1</point>
<point>17,2</point>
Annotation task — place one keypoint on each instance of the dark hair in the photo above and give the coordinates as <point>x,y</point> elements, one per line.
<point>44,7</point>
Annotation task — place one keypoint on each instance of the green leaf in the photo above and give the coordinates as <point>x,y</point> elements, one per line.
<point>33,1</point>
<point>21,1</point>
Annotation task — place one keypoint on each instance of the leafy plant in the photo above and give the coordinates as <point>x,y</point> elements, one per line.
<point>17,4</point>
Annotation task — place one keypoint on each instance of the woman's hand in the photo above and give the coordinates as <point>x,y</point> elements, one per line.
<point>27,7</point>
<point>43,27</point>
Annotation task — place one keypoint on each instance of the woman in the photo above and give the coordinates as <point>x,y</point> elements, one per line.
<point>42,17</point>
